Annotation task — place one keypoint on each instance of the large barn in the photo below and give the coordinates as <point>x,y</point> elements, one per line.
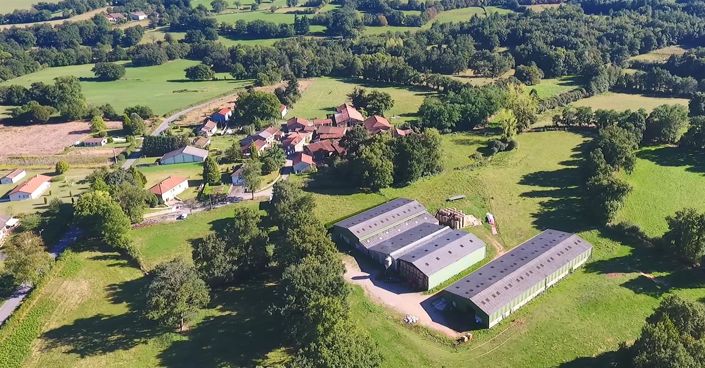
<point>504,285</point>
<point>404,234</point>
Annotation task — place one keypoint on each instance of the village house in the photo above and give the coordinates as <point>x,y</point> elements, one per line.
<point>4,227</point>
<point>236,177</point>
<point>321,150</point>
<point>95,142</point>
<point>31,189</point>
<point>13,177</point>
<point>209,128</point>
<point>116,17</point>
<point>377,124</point>
<point>401,132</point>
<point>296,124</point>
<point>222,116</point>
<point>322,122</point>
<point>268,136</point>
<point>182,155</point>
<point>138,15</point>
<point>331,132</point>
<point>170,187</point>
<point>347,115</point>
<point>283,110</point>
<point>302,163</point>
<point>295,142</point>
<point>201,142</point>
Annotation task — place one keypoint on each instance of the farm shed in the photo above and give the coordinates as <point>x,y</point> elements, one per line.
<point>182,155</point>
<point>402,234</point>
<point>31,189</point>
<point>14,176</point>
<point>502,286</point>
<point>438,259</point>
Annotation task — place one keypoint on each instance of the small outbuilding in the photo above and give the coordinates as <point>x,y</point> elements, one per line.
<point>184,155</point>
<point>302,163</point>
<point>236,177</point>
<point>138,15</point>
<point>209,128</point>
<point>95,142</point>
<point>13,176</point>
<point>31,189</point>
<point>222,116</point>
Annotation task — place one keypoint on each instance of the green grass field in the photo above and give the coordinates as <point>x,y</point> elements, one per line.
<point>324,94</point>
<point>163,87</point>
<point>625,101</point>
<point>7,6</point>
<point>659,55</point>
<point>553,86</point>
<point>86,314</point>
<point>664,181</point>
<point>454,15</point>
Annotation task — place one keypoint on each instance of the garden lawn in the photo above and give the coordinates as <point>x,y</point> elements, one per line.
<point>192,171</point>
<point>626,101</point>
<point>553,86</point>
<point>163,87</point>
<point>324,94</point>
<point>71,184</point>
<point>665,180</point>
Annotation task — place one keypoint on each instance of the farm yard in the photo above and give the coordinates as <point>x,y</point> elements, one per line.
<point>570,324</point>
<point>164,88</point>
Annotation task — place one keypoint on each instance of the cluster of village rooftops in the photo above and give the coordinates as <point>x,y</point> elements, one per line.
<point>403,236</point>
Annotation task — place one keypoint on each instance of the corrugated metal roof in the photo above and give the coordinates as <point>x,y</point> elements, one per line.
<point>383,216</point>
<point>502,280</point>
<point>397,229</point>
<point>442,250</point>
<point>418,232</point>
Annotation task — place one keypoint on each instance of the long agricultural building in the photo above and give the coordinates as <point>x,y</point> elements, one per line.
<point>403,233</point>
<point>504,285</point>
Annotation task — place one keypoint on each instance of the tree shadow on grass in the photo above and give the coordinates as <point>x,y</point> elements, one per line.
<point>102,333</point>
<point>677,157</point>
<point>241,336</point>
<point>604,360</point>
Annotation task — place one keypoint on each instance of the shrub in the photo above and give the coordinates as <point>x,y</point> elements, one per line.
<point>61,167</point>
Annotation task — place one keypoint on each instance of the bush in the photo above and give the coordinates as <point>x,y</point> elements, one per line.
<point>512,145</point>
<point>61,167</point>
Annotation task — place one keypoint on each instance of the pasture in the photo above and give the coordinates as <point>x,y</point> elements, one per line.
<point>659,55</point>
<point>664,181</point>
<point>7,6</point>
<point>626,101</point>
<point>553,86</point>
<point>323,94</point>
<point>163,87</point>
<point>88,310</point>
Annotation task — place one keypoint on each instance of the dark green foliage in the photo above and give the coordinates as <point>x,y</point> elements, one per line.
<point>145,112</point>
<point>666,124</point>
<point>374,167</point>
<point>672,336</point>
<point>696,106</point>
<point>148,54</point>
<point>61,167</point>
<point>161,144</point>
<point>252,175</point>
<point>134,124</point>
<point>617,146</point>
<point>108,71</point>
<point>33,112</point>
<point>199,72</point>
<point>686,235</point>
<point>301,25</point>
<point>211,171</point>
<point>529,75</point>
<point>101,217</point>
<point>694,138</point>
<point>236,254</point>
<point>345,22</point>
<point>416,156</point>
<point>372,103</point>
<point>256,108</point>
<point>175,294</point>
<point>461,111</point>
<point>273,160</point>
<point>605,196</point>
<point>27,260</point>
<point>290,94</point>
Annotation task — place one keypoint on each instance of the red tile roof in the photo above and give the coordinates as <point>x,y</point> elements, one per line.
<point>282,108</point>
<point>296,123</point>
<point>331,132</point>
<point>167,185</point>
<point>322,122</point>
<point>224,111</point>
<point>31,185</point>
<point>402,132</point>
<point>302,157</point>
<point>347,113</point>
<point>375,124</point>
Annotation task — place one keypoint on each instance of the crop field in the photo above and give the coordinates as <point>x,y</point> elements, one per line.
<point>71,184</point>
<point>664,181</point>
<point>626,101</point>
<point>163,87</point>
<point>553,86</point>
<point>324,94</point>
<point>88,309</point>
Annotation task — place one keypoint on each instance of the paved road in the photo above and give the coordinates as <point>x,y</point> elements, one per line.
<point>15,300</point>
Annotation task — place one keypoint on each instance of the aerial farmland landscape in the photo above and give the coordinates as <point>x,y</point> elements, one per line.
<point>352,183</point>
